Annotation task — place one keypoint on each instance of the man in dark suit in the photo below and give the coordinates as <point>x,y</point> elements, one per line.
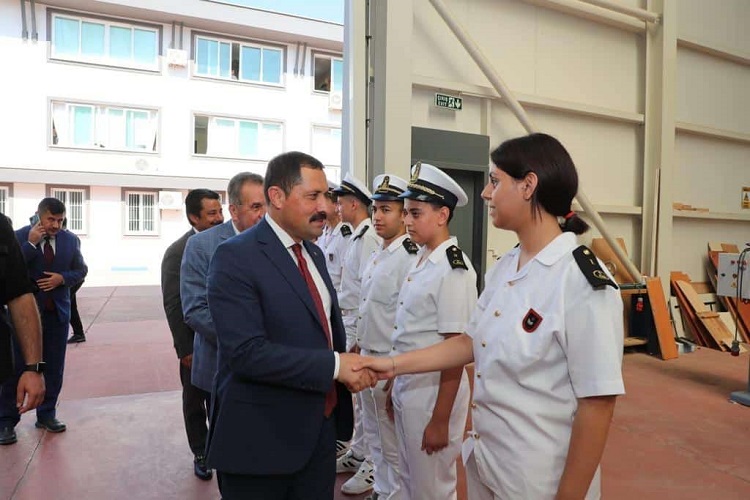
<point>246,207</point>
<point>53,259</point>
<point>203,210</point>
<point>280,396</point>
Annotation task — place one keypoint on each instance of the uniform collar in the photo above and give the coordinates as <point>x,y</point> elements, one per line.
<point>555,249</point>
<point>362,224</point>
<point>398,242</point>
<point>439,252</point>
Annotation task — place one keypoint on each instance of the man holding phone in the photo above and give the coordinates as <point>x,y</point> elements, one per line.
<point>54,261</point>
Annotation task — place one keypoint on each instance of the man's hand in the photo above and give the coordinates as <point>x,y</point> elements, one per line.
<point>355,381</point>
<point>30,393</point>
<point>187,361</point>
<point>36,233</point>
<point>52,281</point>
<point>435,436</point>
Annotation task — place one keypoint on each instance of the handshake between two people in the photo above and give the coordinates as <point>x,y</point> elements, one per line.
<point>360,372</point>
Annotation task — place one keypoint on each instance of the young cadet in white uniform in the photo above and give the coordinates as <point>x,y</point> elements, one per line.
<point>546,338</point>
<point>353,205</point>
<point>382,279</point>
<point>435,303</point>
<point>335,238</point>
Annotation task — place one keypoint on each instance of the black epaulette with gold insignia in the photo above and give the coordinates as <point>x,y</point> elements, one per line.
<point>456,257</point>
<point>590,268</point>
<point>346,230</point>
<point>410,246</point>
<point>361,233</point>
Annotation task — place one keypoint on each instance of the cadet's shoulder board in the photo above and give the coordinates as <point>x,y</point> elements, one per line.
<point>410,246</point>
<point>590,268</point>
<point>361,233</point>
<point>346,231</point>
<point>456,257</point>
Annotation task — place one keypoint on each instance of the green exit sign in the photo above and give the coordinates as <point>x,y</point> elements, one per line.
<point>448,101</point>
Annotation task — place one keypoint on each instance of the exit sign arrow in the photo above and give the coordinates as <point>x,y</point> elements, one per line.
<point>448,101</point>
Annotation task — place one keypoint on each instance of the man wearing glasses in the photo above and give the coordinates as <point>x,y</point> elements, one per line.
<point>246,207</point>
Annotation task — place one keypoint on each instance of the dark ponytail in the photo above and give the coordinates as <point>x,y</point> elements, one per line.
<point>572,223</point>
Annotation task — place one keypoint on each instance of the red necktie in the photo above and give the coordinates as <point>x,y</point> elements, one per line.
<point>302,265</point>
<point>49,256</point>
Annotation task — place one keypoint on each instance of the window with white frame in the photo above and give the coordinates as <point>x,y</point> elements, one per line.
<point>4,199</point>
<point>141,212</point>
<point>99,41</point>
<point>237,138</point>
<point>326,144</point>
<point>74,200</point>
<point>242,61</point>
<point>328,73</point>
<point>78,125</point>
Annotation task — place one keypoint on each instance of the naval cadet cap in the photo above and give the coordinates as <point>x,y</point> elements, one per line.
<point>387,187</point>
<point>429,183</point>
<point>354,187</point>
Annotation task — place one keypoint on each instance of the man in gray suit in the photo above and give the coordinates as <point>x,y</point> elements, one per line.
<point>203,210</point>
<point>246,206</point>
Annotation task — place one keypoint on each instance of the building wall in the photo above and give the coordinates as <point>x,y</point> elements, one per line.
<point>30,162</point>
<point>585,82</point>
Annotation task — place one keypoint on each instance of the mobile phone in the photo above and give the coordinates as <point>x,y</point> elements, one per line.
<point>34,219</point>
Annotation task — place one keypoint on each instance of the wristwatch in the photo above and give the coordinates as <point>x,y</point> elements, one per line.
<point>36,367</point>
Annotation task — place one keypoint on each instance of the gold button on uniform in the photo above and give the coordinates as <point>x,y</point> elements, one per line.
<point>479,375</point>
<point>408,279</point>
<point>473,405</point>
<point>497,314</point>
<point>484,344</point>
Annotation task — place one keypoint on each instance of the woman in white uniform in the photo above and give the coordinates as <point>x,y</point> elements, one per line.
<point>546,337</point>
<point>434,304</point>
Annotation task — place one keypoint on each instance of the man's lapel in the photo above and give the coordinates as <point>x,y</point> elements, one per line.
<point>280,258</point>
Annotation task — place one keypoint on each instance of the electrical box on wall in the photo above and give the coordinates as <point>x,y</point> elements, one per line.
<point>177,58</point>
<point>732,275</point>
<point>335,100</point>
<point>170,200</point>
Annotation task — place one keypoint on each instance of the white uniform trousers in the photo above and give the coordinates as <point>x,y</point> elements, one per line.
<point>476,489</point>
<point>380,433</point>
<point>358,444</point>
<point>421,475</point>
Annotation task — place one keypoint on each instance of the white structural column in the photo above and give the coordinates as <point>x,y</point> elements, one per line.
<point>354,117</point>
<point>659,140</point>
<point>391,27</point>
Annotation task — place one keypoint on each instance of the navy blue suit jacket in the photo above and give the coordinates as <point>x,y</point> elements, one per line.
<point>68,262</point>
<point>274,364</point>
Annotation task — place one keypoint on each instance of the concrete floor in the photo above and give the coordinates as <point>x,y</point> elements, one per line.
<point>675,435</point>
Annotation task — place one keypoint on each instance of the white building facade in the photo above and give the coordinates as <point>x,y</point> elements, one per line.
<point>119,108</point>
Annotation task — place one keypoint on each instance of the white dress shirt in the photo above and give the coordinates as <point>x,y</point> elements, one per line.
<point>364,241</point>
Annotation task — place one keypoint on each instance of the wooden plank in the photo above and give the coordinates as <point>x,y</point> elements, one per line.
<point>679,327</point>
<point>664,332</point>
<point>601,249</point>
<point>710,319</point>
<point>634,341</point>
<point>693,324</point>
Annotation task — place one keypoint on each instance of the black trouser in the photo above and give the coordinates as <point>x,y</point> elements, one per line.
<point>196,404</point>
<point>75,318</point>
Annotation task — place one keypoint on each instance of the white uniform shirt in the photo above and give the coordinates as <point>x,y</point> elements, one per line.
<point>363,242</point>
<point>383,276</point>
<point>334,245</point>
<point>527,383</point>
<point>434,300</point>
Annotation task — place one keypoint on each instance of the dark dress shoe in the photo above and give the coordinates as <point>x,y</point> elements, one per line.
<point>8,435</point>
<point>51,424</point>
<point>201,469</point>
<point>77,338</point>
